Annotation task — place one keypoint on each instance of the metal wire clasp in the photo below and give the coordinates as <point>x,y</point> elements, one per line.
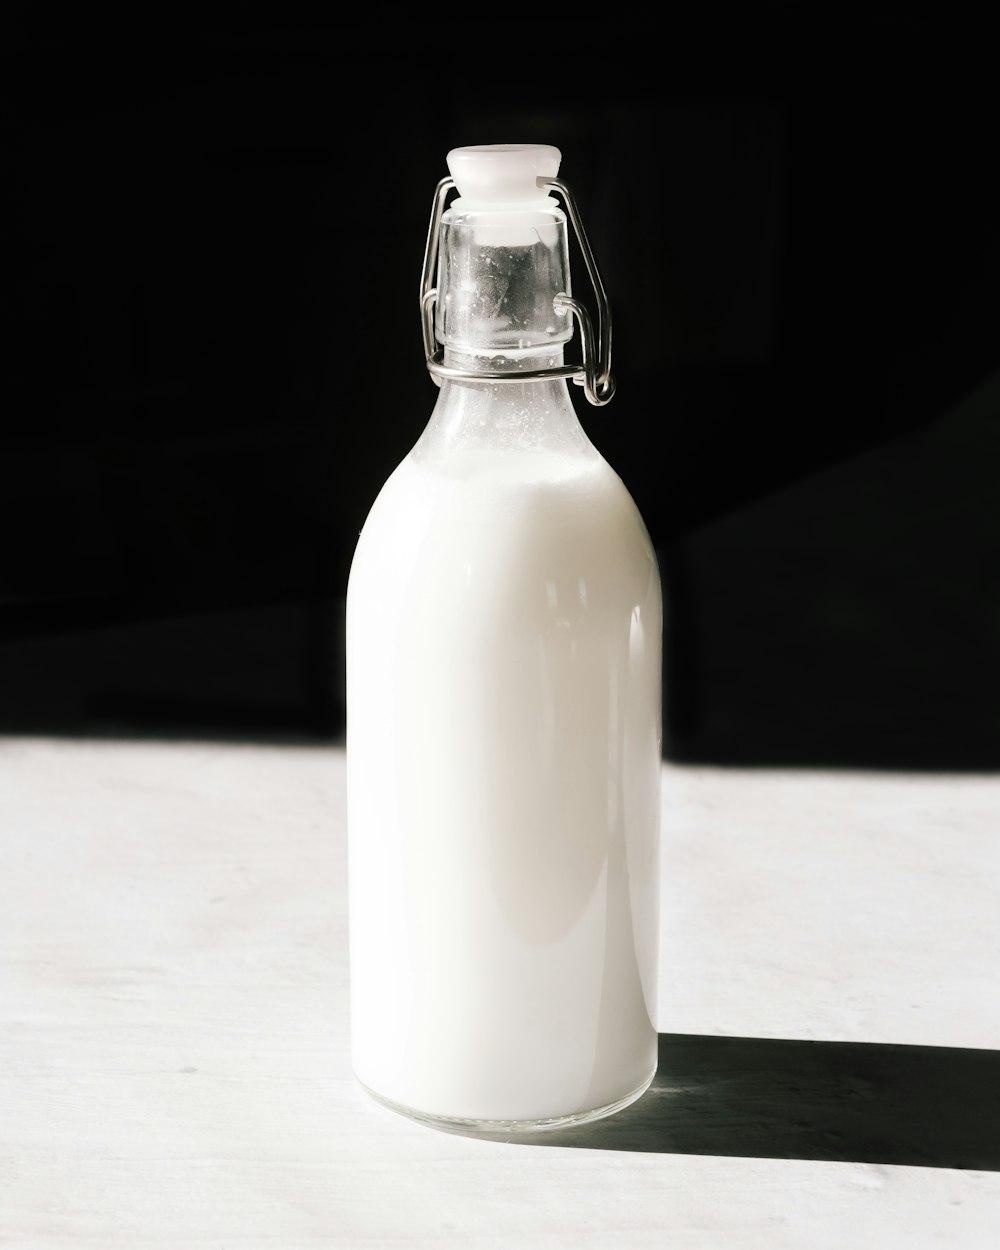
<point>593,373</point>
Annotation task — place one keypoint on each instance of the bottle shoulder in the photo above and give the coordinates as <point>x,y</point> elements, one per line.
<point>492,485</point>
<point>530,515</point>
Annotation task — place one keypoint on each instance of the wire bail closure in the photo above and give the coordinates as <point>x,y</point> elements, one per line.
<point>593,373</point>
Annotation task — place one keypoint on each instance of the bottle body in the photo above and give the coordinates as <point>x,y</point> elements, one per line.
<point>503,740</point>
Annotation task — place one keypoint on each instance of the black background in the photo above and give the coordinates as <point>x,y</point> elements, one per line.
<point>212,358</point>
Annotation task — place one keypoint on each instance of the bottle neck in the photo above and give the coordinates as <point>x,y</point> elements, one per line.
<point>485,416</point>
<point>498,277</point>
<point>499,273</point>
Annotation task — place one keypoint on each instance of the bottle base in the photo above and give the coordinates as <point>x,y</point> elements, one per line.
<point>505,1128</point>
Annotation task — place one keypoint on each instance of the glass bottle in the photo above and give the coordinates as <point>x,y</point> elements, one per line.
<point>504,622</point>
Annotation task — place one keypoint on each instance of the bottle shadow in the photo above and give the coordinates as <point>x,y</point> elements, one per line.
<point>861,1102</point>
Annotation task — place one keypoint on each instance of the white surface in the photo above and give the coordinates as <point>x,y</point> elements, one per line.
<point>173,1050</point>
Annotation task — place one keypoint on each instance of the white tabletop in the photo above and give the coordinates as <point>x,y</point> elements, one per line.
<point>174,1067</point>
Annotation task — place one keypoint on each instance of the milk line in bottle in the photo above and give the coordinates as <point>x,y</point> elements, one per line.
<point>504,622</point>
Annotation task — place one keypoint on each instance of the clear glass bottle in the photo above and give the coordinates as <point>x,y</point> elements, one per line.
<point>504,622</point>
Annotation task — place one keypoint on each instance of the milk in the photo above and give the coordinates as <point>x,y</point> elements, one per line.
<point>503,742</point>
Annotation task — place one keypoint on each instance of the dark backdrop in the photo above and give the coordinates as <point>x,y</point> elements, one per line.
<point>212,358</point>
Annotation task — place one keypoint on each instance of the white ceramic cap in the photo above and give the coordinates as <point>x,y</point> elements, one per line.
<point>503,175</point>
